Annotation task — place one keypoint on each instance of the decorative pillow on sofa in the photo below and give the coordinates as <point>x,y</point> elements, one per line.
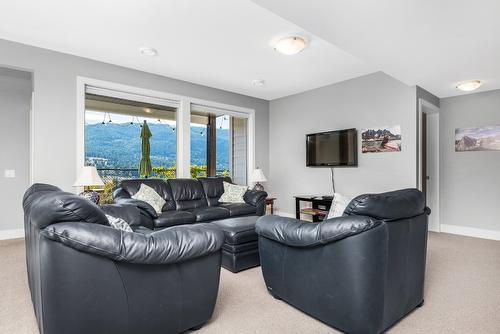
<point>233,193</point>
<point>118,223</point>
<point>150,196</point>
<point>339,203</point>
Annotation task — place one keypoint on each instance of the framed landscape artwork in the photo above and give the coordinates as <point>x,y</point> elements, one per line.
<point>486,138</point>
<point>381,139</point>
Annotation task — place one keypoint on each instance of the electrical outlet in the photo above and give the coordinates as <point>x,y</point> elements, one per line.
<point>9,173</point>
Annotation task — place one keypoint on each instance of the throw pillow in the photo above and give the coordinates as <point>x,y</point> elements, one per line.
<point>233,193</point>
<point>339,203</point>
<point>150,196</point>
<point>118,223</point>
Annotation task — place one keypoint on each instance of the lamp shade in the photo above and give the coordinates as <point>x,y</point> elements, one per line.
<point>88,177</point>
<point>258,176</point>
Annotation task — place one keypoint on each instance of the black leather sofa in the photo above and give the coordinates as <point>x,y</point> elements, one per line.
<point>189,201</point>
<point>359,273</point>
<point>87,277</point>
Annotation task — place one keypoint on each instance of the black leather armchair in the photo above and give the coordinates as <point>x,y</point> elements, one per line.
<point>360,273</point>
<point>87,277</point>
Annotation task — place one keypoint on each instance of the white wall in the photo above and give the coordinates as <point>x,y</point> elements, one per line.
<point>15,100</point>
<point>369,101</point>
<point>470,181</point>
<point>55,104</point>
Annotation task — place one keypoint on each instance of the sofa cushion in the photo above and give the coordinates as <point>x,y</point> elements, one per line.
<point>209,213</point>
<point>239,209</point>
<point>172,218</point>
<point>391,205</point>
<point>213,188</point>
<point>238,230</point>
<point>150,196</point>
<point>233,193</point>
<point>188,193</point>
<point>160,186</point>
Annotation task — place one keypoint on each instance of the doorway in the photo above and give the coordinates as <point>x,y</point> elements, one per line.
<point>428,160</point>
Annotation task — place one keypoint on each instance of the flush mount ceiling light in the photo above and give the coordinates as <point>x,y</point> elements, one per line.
<point>469,86</point>
<point>258,82</point>
<point>290,45</point>
<point>148,51</point>
<point>147,110</point>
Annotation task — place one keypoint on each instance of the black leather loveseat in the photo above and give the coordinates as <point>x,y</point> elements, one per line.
<point>360,273</point>
<point>87,277</point>
<point>189,201</point>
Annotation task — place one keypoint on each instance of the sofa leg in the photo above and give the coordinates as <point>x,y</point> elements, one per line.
<point>195,328</point>
<point>421,304</point>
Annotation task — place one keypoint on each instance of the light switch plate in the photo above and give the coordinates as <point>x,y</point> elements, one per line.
<point>9,173</point>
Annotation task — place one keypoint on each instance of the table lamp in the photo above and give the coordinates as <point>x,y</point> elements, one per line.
<point>89,177</point>
<point>258,177</point>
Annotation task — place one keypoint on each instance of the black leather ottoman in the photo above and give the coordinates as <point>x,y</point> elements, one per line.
<point>240,250</point>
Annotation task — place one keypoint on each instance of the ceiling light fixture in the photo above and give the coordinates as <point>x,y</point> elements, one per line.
<point>258,82</point>
<point>469,85</point>
<point>147,110</point>
<point>290,45</point>
<point>148,51</point>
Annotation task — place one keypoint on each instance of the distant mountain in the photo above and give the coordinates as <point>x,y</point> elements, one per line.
<point>377,134</point>
<point>466,143</point>
<point>114,145</point>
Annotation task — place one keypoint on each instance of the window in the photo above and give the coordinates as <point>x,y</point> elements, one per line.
<point>218,145</point>
<point>112,136</point>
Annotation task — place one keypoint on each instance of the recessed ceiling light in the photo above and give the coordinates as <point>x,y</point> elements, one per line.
<point>290,45</point>
<point>258,82</point>
<point>148,51</point>
<point>469,86</point>
<point>147,110</point>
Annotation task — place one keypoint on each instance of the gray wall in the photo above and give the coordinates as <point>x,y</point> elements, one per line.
<point>15,100</point>
<point>55,104</point>
<point>369,101</point>
<point>470,181</point>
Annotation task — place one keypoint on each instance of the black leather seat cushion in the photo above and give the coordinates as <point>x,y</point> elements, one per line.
<point>238,230</point>
<point>239,209</point>
<point>209,213</point>
<point>172,218</point>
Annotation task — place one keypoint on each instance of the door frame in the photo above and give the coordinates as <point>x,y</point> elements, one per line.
<point>426,107</point>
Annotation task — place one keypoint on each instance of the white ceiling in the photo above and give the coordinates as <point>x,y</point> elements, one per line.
<point>430,43</point>
<point>218,43</point>
<point>227,43</point>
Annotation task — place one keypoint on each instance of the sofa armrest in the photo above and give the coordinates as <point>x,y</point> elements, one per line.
<point>172,245</point>
<point>299,233</point>
<point>141,205</point>
<point>252,197</point>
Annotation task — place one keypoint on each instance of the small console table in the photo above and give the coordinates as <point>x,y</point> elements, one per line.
<point>319,210</point>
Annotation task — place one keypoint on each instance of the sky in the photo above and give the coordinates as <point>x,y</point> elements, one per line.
<point>479,132</point>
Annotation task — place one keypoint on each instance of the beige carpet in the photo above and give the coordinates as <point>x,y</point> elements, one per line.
<point>462,295</point>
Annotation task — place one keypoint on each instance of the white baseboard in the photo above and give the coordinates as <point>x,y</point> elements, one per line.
<point>284,214</point>
<point>471,231</point>
<point>12,234</point>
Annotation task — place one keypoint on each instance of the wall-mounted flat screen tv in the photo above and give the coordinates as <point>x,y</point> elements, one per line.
<point>332,149</point>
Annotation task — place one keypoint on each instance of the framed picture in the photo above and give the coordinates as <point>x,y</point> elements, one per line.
<point>381,139</point>
<point>486,138</point>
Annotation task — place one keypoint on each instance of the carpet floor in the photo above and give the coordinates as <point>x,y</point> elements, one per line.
<point>462,295</point>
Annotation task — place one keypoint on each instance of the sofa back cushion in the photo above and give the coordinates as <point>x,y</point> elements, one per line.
<point>391,205</point>
<point>214,188</point>
<point>46,205</point>
<point>160,186</point>
<point>187,193</point>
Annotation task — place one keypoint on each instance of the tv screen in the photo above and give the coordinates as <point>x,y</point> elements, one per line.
<point>332,149</point>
